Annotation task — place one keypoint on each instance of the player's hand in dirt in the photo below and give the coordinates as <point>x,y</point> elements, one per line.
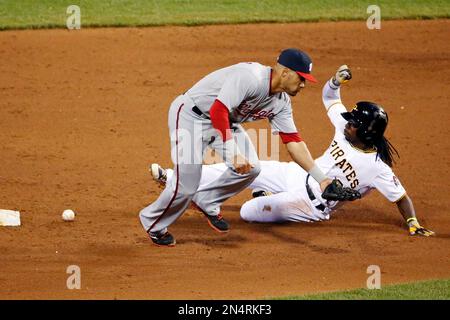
<point>416,229</point>
<point>241,165</point>
<point>343,75</point>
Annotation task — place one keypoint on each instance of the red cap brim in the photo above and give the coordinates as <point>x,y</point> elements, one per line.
<point>307,76</point>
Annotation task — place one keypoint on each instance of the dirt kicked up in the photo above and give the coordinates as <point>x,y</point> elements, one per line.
<point>83,114</point>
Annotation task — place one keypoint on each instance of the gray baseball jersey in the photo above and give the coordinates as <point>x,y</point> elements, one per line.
<point>244,88</point>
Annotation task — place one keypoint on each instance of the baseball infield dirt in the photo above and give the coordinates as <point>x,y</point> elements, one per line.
<point>83,114</point>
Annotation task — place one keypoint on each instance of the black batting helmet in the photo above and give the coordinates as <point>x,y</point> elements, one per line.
<point>370,119</point>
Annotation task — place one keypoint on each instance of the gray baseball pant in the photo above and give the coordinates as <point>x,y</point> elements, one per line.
<point>190,136</point>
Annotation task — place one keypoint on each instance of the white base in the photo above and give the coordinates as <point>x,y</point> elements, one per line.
<point>9,218</point>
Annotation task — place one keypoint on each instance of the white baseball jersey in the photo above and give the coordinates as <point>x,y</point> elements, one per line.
<point>244,88</point>
<point>361,170</point>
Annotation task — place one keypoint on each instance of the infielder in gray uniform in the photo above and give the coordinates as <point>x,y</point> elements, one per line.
<point>210,115</point>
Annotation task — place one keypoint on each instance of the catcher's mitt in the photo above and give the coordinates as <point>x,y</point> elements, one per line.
<point>335,191</point>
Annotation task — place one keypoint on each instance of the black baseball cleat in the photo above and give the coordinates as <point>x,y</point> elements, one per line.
<point>218,223</point>
<point>261,193</point>
<point>162,240</point>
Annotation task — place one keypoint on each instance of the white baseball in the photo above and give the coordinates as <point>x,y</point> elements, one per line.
<point>68,215</point>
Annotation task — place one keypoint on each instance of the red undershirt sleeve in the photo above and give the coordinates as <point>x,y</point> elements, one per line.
<point>220,119</point>
<point>290,137</point>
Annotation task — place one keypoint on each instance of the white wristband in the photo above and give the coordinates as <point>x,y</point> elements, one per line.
<point>333,85</point>
<point>317,174</point>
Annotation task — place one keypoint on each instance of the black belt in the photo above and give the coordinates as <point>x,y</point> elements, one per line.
<point>311,196</point>
<point>199,112</point>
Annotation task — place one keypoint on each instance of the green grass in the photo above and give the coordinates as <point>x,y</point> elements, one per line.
<point>427,290</point>
<point>19,14</point>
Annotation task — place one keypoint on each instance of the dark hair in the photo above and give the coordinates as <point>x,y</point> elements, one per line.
<point>385,151</point>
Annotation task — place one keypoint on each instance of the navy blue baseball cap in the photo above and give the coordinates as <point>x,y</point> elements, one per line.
<point>298,61</point>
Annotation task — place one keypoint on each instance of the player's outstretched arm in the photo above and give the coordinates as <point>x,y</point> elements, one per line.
<point>300,154</point>
<point>406,208</point>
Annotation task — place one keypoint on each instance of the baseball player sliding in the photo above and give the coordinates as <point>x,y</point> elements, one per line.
<point>210,114</point>
<point>359,156</point>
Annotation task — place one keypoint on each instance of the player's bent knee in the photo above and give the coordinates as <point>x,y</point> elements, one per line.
<point>246,211</point>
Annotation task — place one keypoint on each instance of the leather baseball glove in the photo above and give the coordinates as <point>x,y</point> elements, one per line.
<point>335,191</point>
